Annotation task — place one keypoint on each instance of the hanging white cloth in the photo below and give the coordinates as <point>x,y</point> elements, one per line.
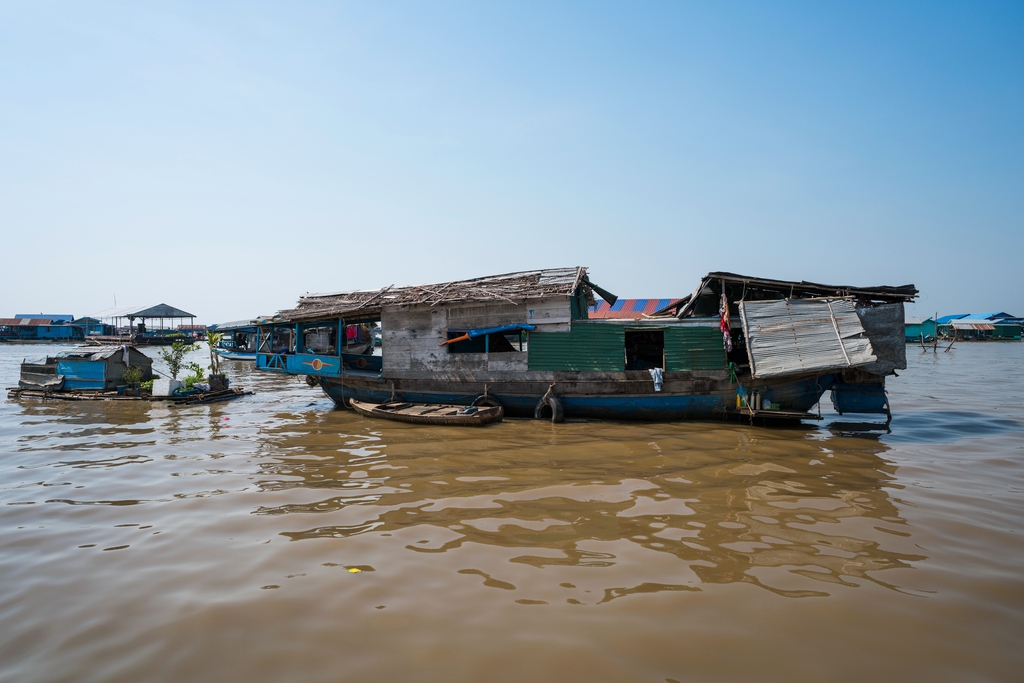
<point>656,375</point>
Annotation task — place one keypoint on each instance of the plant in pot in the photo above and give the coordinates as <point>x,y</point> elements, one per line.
<point>132,377</point>
<point>174,357</point>
<point>198,375</point>
<point>218,380</point>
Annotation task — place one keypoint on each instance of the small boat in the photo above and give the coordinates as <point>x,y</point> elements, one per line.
<point>234,354</point>
<point>425,413</point>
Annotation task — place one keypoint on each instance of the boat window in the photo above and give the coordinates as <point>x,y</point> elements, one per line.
<point>321,340</point>
<point>360,339</point>
<point>496,342</point>
<point>276,340</point>
<point>645,349</point>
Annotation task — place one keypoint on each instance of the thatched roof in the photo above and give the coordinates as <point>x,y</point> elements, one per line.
<point>756,288</point>
<point>510,288</point>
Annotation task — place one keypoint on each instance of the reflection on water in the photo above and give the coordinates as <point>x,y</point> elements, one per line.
<point>719,504</point>
<point>143,541</point>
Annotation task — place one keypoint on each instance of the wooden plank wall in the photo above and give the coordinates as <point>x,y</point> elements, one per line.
<point>411,336</point>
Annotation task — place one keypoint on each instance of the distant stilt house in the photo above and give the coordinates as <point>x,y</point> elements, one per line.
<point>40,327</point>
<point>980,326</point>
<point>920,329</point>
<point>145,324</point>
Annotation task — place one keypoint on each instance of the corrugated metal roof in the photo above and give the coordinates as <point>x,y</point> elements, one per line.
<point>971,325</point>
<point>28,322</point>
<point>628,309</point>
<point>796,336</point>
<point>233,325</point>
<point>50,316</point>
<point>155,311</point>
<point>987,316</point>
<point>946,318</point>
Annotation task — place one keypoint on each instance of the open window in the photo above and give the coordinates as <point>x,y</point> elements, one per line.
<point>320,339</point>
<point>504,339</point>
<point>645,349</point>
<point>277,340</point>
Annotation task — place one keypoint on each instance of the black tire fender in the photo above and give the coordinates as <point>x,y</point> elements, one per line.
<point>485,400</point>
<point>548,402</point>
<point>557,413</point>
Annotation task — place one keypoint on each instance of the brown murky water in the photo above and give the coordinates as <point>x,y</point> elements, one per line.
<point>277,538</point>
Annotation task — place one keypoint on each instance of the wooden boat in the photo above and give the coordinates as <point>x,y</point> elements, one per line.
<point>425,413</point>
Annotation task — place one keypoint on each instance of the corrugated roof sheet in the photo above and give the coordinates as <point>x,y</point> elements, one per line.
<point>971,325</point>
<point>233,325</point>
<point>51,316</point>
<point>155,311</point>
<point>796,336</point>
<point>987,316</point>
<point>628,309</point>
<point>27,322</point>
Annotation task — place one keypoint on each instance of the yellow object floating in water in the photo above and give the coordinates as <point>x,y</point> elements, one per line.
<point>354,570</point>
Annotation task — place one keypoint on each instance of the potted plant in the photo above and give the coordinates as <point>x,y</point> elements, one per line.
<point>218,380</point>
<point>174,356</point>
<point>132,376</point>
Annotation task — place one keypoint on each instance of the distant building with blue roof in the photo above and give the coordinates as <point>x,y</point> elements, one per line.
<point>980,326</point>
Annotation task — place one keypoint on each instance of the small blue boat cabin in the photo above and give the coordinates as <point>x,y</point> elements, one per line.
<point>96,368</point>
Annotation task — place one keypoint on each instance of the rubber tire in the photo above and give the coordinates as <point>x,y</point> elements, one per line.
<point>557,412</point>
<point>488,401</point>
<point>549,403</point>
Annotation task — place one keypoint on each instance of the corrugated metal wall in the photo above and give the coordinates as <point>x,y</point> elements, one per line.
<point>795,336</point>
<point>595,347</point>
<point>601,347</point>
<point>694,348</point>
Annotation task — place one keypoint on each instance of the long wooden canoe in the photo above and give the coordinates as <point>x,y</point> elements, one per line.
<point>424,413</point>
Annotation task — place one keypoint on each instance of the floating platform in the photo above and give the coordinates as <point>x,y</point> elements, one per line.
<point>192,399</point>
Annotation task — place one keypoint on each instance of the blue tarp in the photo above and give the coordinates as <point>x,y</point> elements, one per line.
<point>473,334</point>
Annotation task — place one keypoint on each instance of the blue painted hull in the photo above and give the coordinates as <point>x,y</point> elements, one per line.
<point>799,396</point>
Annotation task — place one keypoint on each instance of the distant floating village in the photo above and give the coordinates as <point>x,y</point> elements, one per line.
<point>138,325</point>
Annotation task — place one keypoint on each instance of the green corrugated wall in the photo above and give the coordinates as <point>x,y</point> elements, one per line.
<point>601,347</point>
<point>694,348</point>
<point>589,346</point>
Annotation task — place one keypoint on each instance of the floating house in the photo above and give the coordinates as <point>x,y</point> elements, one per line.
<point>39,328</point>
<point>999,326</point>
<point>91,368</point>
<point>526,341</point>
<point>163,322</point>
<point>94,327</point>
<point>919,329</point>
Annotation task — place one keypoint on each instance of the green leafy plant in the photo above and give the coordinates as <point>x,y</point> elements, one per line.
<point>147,385</point>
<point>198,375</point>
<point>175,356</point>
<point>132,375</point>
<point>213,339</point>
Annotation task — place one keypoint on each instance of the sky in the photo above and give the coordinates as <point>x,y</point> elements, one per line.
<point>226,158</point>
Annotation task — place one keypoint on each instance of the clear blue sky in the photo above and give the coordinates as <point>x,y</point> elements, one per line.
<point>227,157</point>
